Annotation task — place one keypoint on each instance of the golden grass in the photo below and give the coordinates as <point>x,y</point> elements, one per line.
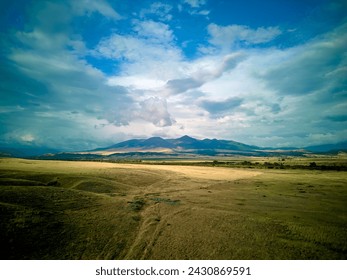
<point>93,210</point>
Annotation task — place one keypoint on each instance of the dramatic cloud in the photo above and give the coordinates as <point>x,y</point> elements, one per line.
<point>47,78</point>
<point>319,65</point>
<point>83,74</point>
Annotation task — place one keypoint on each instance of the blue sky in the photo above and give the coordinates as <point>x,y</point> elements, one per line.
<point>83,74</point>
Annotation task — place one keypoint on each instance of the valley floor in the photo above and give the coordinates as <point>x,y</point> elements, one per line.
<point>94,210</point>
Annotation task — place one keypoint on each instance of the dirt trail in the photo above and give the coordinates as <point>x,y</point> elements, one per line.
<point>157,217</point>
<point>155,221</point>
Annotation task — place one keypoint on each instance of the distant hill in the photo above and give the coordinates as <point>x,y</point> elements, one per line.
<point>25,151</point>
<point>338,147</point>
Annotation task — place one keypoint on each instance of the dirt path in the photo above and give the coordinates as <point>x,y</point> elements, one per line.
<point>179,182</point>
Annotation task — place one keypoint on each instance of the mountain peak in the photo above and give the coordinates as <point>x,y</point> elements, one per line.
<point>186,138</point>
<point>156,142</point>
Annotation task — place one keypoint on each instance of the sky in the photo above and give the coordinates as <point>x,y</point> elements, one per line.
<point>77,75</point>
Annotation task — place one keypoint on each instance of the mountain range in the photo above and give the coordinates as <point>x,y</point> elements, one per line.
<point>185,143</point>
<point>189,146</point>
<point>180,147</point>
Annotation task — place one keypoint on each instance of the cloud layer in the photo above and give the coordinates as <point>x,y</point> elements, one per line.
<point>83,74</point>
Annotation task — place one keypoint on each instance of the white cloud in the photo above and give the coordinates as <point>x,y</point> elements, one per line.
<point>90,6</point>
<point>227,37</point>
<point>155,32</point>
<point>153,41</point>
<point>161,10</point>
<point>204,12</point>
<point>203,71</point>
<point>154,110</point>
<point>150,55</point>
<point>199,12</point>
<point>195,7</point>
<point>195,3</point>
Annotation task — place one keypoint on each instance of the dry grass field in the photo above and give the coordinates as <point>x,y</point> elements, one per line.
<point>94,210</point>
